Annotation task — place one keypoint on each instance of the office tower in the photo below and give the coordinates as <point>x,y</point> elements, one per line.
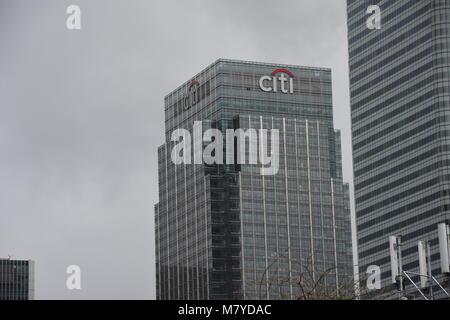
<point>228,231</point>
<point>399,83</point>
<point>16,279</point>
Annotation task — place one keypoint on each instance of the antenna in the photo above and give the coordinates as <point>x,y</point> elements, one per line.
<point>423,266</point>
<point>394,244</point>
<point>426,278</point>
<point>443,232</point>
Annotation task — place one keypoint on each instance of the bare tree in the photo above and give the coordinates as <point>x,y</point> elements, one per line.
<point>309,282</point>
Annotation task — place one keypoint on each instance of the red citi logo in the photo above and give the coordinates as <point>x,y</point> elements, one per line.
<point>192,96</point>
<point>281,82</point>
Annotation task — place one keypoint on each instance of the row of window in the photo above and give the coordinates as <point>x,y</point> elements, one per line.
<point>415,204</point>
<point>395,85</point>
<point>405,179</point>
<point>406,65</point>
<point>396,140</point>
<point>381,50</point>
<point>402,166</point>
<point>393,228</point>
<point>406,193</point>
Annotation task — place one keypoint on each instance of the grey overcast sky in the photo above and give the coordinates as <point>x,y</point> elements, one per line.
<point>81,117</point>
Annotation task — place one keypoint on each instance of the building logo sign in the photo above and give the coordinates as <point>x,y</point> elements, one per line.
<point>192,96</point>
<point>194,93</point>
<point>280,80</point>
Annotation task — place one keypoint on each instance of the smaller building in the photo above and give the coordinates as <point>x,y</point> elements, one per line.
<point>16,279</point>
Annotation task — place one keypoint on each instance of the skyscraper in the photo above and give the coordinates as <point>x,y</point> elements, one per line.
<point>16,279</point>
<point>228,231</point>
<point>400,108</point>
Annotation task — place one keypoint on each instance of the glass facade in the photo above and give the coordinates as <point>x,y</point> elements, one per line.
<point>400,104</point>
<point>225,231</point>
<point>16,280</point>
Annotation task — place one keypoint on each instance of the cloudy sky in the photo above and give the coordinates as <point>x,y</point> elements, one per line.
<point>81,117</point>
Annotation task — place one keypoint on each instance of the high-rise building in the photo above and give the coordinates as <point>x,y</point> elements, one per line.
<point>16,279</point>
<point>230,231</point>
<point>400,109</point>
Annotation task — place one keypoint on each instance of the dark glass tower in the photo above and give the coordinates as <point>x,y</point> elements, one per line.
<point>16,279</point>
<point>400,102</point>
<point>229,232</point>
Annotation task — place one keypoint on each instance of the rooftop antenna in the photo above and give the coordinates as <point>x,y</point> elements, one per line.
<point>427,280</point>
<point>444,247</point>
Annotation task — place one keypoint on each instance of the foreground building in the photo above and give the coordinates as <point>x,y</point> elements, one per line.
<point>233,231</point>
<point>400,102</point>
<point>16,279</point>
